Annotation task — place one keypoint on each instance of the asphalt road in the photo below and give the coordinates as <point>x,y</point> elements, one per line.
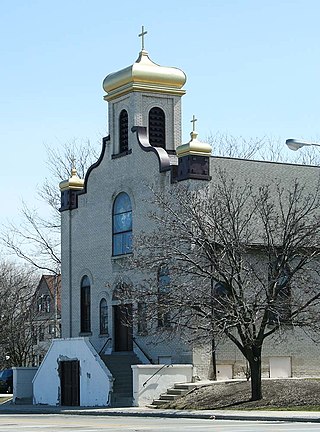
<point>82,423</point>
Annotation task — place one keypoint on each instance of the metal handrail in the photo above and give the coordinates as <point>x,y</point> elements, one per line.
<point>162,367</point>
<point>143,351</point>
<point>104,345</point>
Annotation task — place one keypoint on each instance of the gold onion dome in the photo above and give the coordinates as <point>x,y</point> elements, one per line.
<point>194,146</point>
<point>144,75</point>
<point>74,182</point>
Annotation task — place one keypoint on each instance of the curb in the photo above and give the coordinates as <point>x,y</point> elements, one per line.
<point>163,413</point>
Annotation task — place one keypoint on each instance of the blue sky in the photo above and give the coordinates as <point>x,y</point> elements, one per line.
<point>252,67</point>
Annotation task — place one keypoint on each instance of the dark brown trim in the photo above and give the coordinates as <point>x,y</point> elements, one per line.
<point>96,164</point>
<point>69,198</point>
<point>194,167</point>
<point>162,155</point>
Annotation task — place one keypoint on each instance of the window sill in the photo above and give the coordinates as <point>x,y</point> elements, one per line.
<point>119,155</point>
<point>104,335</point>
<point>84,334</point>
<point>118,257</point>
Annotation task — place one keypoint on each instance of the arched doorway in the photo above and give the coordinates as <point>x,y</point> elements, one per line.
<point>122,315</point>
<point>122,318</point>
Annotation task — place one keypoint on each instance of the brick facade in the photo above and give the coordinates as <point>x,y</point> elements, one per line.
<point>87,237</point>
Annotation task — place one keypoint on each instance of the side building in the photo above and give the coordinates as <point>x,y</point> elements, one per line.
<point>46,316</point>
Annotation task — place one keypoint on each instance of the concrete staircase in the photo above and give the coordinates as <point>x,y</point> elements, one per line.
<point>172,394</point>
<point>119,364</point>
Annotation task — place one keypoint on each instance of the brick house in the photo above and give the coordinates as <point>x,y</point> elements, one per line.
<point>46,317</point>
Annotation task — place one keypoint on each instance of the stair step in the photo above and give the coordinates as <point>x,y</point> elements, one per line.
<point>186,386</point>
<point>172,394</point>
<point>159,402</point>
<point>179,392</point>
<point>119,365</point>
<point>168,397</point>
<point>120,400</point>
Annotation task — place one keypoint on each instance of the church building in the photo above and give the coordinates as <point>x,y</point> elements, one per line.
<point>104,358</point>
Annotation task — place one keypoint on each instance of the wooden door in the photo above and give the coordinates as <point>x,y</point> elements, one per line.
<point>123,327</point>
<point>70,383</point>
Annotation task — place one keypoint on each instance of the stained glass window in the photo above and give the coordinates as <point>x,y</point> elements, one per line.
<point>85,305</point>
<point>122,225</point>
<point>103,316</point>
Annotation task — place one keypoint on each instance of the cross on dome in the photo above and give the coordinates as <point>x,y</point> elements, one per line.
<point>193,121</point>
<point>142,34</point>
<point>73,162</point>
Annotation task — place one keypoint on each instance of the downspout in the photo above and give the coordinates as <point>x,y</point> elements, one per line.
<point>70,277</point>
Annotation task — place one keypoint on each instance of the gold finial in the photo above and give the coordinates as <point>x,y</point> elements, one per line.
<point>74,182</point>
<point>194,146</point>
<point>142,37</point>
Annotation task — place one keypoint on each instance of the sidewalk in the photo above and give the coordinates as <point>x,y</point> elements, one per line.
<point>287,416</point>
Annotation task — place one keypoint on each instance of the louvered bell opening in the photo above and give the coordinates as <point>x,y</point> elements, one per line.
<point>123,131</point>
<point>157,128</point>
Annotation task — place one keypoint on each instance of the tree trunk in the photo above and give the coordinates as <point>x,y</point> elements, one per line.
<point>255,368</point>
<point>213,356</point>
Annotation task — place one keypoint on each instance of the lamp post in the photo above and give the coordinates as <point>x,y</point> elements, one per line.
<point>295,145</point>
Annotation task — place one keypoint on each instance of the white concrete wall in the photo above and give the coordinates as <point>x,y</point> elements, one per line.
<point>224,371</point>
<point>159,383</point>
<point>280,367</point>
<point>22,384</point>
<point>95,378</point>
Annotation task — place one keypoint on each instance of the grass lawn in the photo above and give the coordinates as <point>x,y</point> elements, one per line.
<point>278,395</point>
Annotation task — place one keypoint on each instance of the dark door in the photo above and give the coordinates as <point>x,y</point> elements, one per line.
<point>70,383</point>
<point>123,327</point>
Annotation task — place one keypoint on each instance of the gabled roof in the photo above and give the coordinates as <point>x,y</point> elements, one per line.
<point>53,283</point>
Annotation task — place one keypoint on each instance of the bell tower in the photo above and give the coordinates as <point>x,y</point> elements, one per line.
<point>144,95</point>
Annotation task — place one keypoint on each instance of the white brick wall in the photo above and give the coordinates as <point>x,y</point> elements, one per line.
<point>87,234</point>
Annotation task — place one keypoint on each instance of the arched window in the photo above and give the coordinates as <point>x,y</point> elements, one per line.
<point>85,305</point>
<point>164,319</point>
<point>48,303</point>
<point>142,318</point>
<point>103,312</point>
<point>123,131</point>
<point>280,308</point>
<point>157,128</point>
<point>122,225</point>
<point>40,303</point>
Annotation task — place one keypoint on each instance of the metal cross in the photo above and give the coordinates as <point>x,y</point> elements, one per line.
<point>73,162</point>
<point>142,37</point>
<point>194,123</point>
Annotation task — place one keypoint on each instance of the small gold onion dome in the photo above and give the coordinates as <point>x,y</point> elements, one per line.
<point>144,75</point>
<point>194,147</point>
<point>74,182</point>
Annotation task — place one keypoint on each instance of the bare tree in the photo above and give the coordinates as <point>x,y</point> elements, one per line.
<point>36,239</point>
<point>231,261</point>
<point>235,147</point>
<point>266,148</point>
<point>17,286</point>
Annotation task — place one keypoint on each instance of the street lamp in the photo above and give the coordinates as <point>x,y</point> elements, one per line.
<point>295,145</point>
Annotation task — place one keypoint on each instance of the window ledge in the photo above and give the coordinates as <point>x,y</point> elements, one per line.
<point>104,335</point>
<point>119,155</point>
<point>84,334</point>
<point>119,257</point>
